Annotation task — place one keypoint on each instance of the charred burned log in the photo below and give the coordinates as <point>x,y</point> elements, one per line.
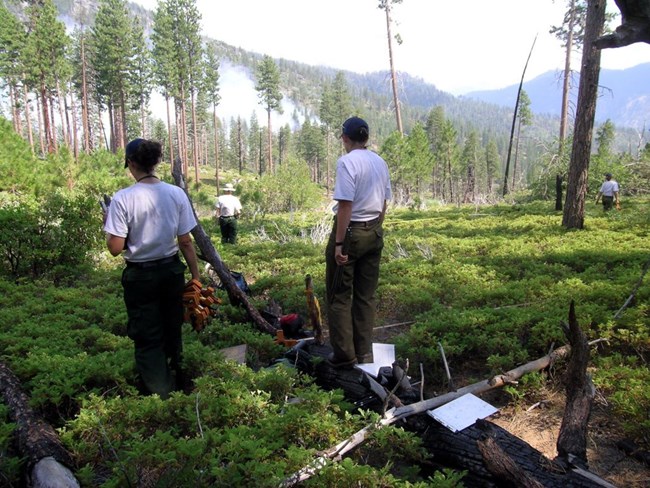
<point>48,461</point>
<point>493,457</point>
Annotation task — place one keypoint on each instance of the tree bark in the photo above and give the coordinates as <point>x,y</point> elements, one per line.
<point>558,192</point>
<point>574,208</point>
<point>503,467</point>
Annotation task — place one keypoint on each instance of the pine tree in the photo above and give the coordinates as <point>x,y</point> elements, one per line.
<point>524,118</point>
<point>211,91</point>
<point>44,53</point>
<point>335,107</point>
<point>164,69</point>
<point>12,45</point>
<point>492,159</point>
<point>268,88</point>
<point>112,54</point>
<point>141,82</point>
<point>419,159</point>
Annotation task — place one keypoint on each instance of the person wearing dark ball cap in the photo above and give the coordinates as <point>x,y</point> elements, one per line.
<point>353,252</point>
<point>609,193</point>
<point>148,223</point>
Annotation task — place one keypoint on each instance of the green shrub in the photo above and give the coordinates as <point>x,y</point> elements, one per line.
<point>624,380</point>
<point>11,465</point>
<point>52,237</point>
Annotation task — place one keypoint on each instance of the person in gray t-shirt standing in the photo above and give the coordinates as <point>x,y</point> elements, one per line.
<point>353,253</point>
<point>148,223</point>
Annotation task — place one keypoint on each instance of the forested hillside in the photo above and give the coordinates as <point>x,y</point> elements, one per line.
<point>75,83</point>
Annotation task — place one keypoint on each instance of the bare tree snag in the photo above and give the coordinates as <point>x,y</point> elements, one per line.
<point>574,208</point>
<point>47,459</point>
<point>572,440</point>
<point>210,254</point>
<point>514,119</point>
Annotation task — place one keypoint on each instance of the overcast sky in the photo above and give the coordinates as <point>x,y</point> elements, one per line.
<point>459,46</point>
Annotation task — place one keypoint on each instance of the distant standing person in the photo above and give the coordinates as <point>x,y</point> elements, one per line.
<point>609,192</point>
<point>149,222</point>
<point>228,209</point>
<point>353,253</point>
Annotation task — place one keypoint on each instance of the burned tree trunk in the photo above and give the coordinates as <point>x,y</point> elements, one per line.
<point>572,441</point>
<point>47,459</point>
<point>210,254</point>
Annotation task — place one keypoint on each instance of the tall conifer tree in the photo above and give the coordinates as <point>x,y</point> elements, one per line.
<point>268,88</point>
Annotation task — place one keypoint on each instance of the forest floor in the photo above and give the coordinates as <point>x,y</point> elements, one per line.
<point>537,422</point>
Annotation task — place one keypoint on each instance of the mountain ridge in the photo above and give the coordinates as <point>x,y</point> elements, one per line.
<point>624,98</point>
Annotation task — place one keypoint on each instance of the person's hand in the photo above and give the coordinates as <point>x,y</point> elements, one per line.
<point>339,257</point>
<point>618,205</point>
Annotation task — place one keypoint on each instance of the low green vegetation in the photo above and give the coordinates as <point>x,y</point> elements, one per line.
<point>492,284</point>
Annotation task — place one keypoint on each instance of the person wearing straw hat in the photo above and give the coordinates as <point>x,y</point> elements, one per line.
<point>227,211</point>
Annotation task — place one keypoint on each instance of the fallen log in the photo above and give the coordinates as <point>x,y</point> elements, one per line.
<point>235,295</point>
<point>494,458</point>
<point>48,461</point>
<point>399,413</point>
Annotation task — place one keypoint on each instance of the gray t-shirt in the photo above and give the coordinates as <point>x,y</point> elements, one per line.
<point>152,216</point>
<point>362,177</point>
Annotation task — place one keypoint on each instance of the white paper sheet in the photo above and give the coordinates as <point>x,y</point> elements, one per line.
<point>383,355</point>
<point>462,412</point>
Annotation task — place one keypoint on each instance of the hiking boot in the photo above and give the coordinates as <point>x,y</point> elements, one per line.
<point>339,363</point>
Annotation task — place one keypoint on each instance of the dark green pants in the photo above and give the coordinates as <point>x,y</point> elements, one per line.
<point>228,226</point>
<point>154,305</point>
<point>352,303</point>
<point>608,203</point>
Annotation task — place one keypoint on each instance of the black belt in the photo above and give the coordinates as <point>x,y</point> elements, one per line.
<point>227,217</point>
<point>152,264</point>
<point>368,223</point>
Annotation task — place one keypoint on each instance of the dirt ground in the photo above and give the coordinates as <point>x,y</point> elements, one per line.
<point>538,423</point>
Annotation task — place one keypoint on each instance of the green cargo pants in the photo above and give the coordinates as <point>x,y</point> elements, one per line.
<point>154,305</point>
<point>352,303</point>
